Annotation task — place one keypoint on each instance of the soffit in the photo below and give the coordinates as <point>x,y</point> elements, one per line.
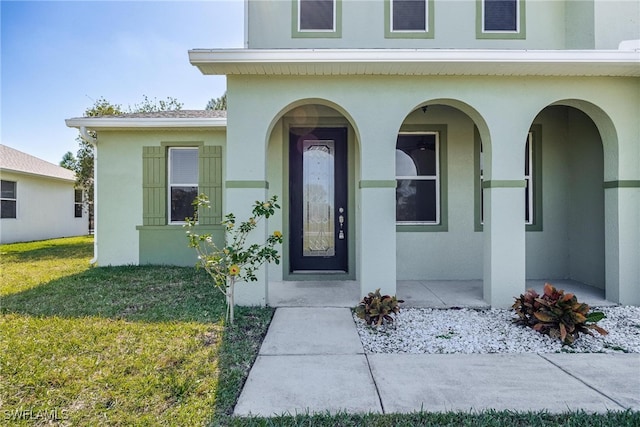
<point>417,62</point>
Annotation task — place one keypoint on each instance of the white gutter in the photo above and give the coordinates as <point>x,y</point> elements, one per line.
<point>418,62</point>
<point>84,134</point>
<point>97,123</point>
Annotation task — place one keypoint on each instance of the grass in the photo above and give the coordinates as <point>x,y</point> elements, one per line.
<point>116,345</point>
<point>148,346</point>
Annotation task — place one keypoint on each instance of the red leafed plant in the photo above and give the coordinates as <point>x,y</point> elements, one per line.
<point>556,314</point>
<point>377,309</point>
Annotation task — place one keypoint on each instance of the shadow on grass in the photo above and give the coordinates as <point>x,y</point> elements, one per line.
<point>143,293</point>
<point>156,294</point>
<point>48,249</point>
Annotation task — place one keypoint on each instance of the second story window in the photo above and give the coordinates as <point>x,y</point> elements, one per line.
<point>409,15</point>
<point>502,19</point>
<point>316,15</point>
<point>500,15</point>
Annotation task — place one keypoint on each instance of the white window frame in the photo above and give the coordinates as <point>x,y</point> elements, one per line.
<point>516,31</point>
<point>12,199</point>
<point>528,177</point>
<point>76,202</point>
<point>312,30</point>
<point>426,19</point>
<point>435,178</point>
<point>171,184</point>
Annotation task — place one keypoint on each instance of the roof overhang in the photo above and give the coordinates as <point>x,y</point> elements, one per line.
<point>125,123</point>
<point>417,62</point>
<point>37,175</point>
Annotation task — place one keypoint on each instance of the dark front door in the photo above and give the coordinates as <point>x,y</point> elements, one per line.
<point>318,199</point>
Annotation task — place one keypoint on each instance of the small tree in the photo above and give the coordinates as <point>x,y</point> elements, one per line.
<point>235,260</point>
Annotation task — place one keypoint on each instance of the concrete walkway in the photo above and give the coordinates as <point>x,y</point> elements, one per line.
<point>312,361</point>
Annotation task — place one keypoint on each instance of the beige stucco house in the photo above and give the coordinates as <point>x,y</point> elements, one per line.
<point>408,140</point>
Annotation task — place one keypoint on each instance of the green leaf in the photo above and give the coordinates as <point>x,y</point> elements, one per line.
<point>595,316</point>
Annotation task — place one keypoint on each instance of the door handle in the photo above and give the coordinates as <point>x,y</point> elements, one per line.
<point>341,223</point>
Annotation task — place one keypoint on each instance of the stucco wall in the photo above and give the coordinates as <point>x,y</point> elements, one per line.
<point>550,24</point>
<point>45,210</point>
<point>119,188</point>
<point>506,107</point>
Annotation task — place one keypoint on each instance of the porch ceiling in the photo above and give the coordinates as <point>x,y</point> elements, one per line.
<point>417,62</point>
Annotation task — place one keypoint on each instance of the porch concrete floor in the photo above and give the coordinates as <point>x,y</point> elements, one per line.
<point>415,293</point>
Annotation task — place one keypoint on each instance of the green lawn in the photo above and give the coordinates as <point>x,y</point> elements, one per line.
<point>116,345</point>
<point>143,346</point>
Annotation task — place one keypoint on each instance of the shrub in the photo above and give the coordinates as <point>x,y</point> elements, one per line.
<point>237,260</point>
<point>556,314</point>
<point>376,308</point>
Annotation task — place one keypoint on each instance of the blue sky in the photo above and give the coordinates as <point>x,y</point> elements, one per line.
<point>60,56</point>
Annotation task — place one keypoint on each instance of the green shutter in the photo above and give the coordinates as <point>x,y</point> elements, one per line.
<point>210,184</point>
<point>154,184</point>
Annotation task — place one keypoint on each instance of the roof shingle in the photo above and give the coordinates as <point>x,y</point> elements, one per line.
<point>17,161</point>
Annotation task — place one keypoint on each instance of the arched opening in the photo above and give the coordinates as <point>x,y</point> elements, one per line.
<point>312,162</point>
<point>567,240</point>
<point>438,206</point>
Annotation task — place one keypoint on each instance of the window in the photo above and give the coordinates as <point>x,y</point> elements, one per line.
<point>8,199</point>
<point>409,19</point>
<point>409,15</point>
<point>530,195</point>
<point>316,18</point>
<point>78,204</point>
<point>501,19</point>
<point>417,177</point>
<point>183,182</point>
<point>316,15</point>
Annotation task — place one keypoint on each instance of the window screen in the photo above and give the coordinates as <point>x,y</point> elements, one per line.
<point>409,15</point>
<point>501,15</point>
<point>316,15</point>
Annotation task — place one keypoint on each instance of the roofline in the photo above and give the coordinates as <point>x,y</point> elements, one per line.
<point>424,61</point>
<point>38,175</point>
<point>97,123</point>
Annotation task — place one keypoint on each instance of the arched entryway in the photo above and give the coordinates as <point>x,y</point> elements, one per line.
<point>313,165</point>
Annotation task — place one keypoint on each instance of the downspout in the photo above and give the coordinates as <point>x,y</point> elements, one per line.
<point>84,134</point>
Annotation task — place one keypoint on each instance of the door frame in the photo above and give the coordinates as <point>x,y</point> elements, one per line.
<point>287,275</point>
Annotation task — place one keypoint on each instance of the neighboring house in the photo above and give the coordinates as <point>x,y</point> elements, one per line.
<point>39,199</point>
<point>408,140</point>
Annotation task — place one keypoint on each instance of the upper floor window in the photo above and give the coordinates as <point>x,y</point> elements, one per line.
<point>408,18</point>
<point>183,182</point>
<point>77,205</point>
<point>316,18</point>
<point>501,18</point>
<point>317,15</point>
<point>8,199</point>
<point>418,178</point>
<point>408,15</point>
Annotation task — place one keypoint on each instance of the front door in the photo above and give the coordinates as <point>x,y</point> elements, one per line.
<point>318,200</point>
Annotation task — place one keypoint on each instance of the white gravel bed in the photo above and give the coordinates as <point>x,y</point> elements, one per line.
<point>426,330</point>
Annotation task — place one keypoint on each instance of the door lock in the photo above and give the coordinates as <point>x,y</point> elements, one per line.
<point>341,222</point>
